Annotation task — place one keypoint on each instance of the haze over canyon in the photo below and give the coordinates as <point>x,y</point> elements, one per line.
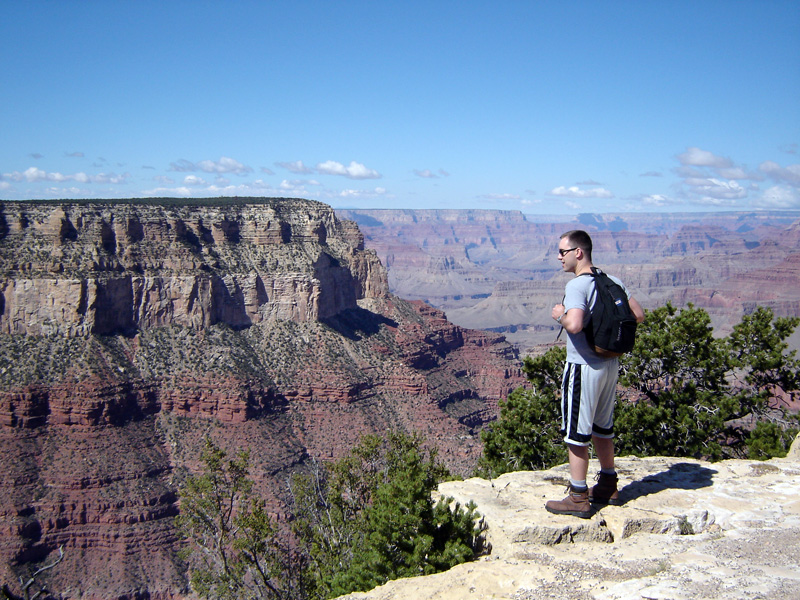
<point>498,270</point>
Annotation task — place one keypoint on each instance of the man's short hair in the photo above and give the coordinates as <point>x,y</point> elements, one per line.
<point>579,239</point>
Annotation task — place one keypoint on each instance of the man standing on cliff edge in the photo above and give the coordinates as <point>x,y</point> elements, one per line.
<point>588,387</point>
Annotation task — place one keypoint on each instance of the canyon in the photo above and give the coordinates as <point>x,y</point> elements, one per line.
<point>132,330</point>
<point>497,270</point>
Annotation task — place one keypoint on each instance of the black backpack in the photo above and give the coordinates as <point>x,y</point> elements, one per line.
<point>612,328</point>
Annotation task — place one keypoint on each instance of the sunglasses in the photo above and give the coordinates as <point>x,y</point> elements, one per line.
<point>563,253</point>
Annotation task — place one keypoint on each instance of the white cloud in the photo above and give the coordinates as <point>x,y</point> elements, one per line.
<point>194,180</point>
<point>224,165</point>
<point>163,179</point>
<point>716,202</point>
<point>4,185</point>
<point>109,178</point>
<point>425,174</point>
<point>576,192</point>
<point>790,174</point>
<point>35,175</point>
<point>658,200</point>
<point>295,186</point>
<point>63,192</point>
<point>702,158</point>
<point>168,192</point>
<point>31,174</point>
<point>295,167</point>
<point>353,171</point>
<point>779,196</point>
<point>739,173</point>
<point>716,188</point>
<point>713,180</point>
<point>298,183</point>
<point>194,186</point>
<point>687,172</point>
<point>378,191</point>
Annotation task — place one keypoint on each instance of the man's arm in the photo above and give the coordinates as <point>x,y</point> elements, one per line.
<point>637,309</point>
<point>572,320</point>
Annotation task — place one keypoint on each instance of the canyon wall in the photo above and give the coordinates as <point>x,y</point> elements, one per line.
<point>130,331</point>
<point>498,270</point>
<point>114,268</point>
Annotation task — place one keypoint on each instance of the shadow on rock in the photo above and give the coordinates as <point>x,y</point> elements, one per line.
<point>356,323</point>
<point>680,476</point>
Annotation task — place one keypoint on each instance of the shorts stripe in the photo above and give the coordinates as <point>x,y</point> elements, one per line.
<point>571,404</point>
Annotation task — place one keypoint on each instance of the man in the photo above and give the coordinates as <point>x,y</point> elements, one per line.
<point>589,385</point>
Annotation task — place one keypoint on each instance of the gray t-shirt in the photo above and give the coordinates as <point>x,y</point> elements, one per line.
<point>580,293</point>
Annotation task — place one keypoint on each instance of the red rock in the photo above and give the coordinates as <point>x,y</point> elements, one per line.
<point>268,327</point>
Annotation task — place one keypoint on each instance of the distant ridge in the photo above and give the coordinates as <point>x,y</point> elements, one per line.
<point>496,270</point>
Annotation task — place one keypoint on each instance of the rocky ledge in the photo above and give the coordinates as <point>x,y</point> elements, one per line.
<point>687,529</point>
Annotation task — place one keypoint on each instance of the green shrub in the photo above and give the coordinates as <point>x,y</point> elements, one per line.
<point>370,517</point>
<point>684,393</point>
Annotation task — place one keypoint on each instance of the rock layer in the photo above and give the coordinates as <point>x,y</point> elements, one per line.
<point>76,269</point>
<point>129,332</point>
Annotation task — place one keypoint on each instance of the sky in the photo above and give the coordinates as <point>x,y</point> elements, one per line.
<point>557,107</point>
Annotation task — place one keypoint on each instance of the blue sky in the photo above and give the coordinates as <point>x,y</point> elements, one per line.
<point>544,107</point>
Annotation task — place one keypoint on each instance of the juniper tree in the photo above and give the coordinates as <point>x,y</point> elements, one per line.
<point>237,549</point>
<point>527,434</point>
<point>683,392</point>
<point>696,390</point>
<point>371,517</point>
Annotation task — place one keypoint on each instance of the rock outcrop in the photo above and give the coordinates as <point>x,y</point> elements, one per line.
<point>687,529</point>
<point>76,269</point>
<point>130,331</point>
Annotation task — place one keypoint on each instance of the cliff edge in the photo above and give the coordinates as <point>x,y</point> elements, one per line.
<point>688,529</point>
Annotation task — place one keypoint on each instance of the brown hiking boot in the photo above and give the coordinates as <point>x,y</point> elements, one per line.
<point>575,504</point>
<point>605,492</point>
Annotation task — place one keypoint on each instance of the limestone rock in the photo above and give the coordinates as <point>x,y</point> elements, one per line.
<point>100,267</point>
<point>688,529</point>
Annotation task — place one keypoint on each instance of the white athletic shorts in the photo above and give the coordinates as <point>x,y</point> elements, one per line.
<point>588,394</point>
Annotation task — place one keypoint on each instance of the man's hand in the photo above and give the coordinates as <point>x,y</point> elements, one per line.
<point>558,312</point>
<point>572,321</point>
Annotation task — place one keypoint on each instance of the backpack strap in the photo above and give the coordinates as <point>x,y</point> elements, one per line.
<point>594,273</point>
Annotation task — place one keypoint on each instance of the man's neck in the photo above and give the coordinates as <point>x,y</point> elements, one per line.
<point>583,269</point>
